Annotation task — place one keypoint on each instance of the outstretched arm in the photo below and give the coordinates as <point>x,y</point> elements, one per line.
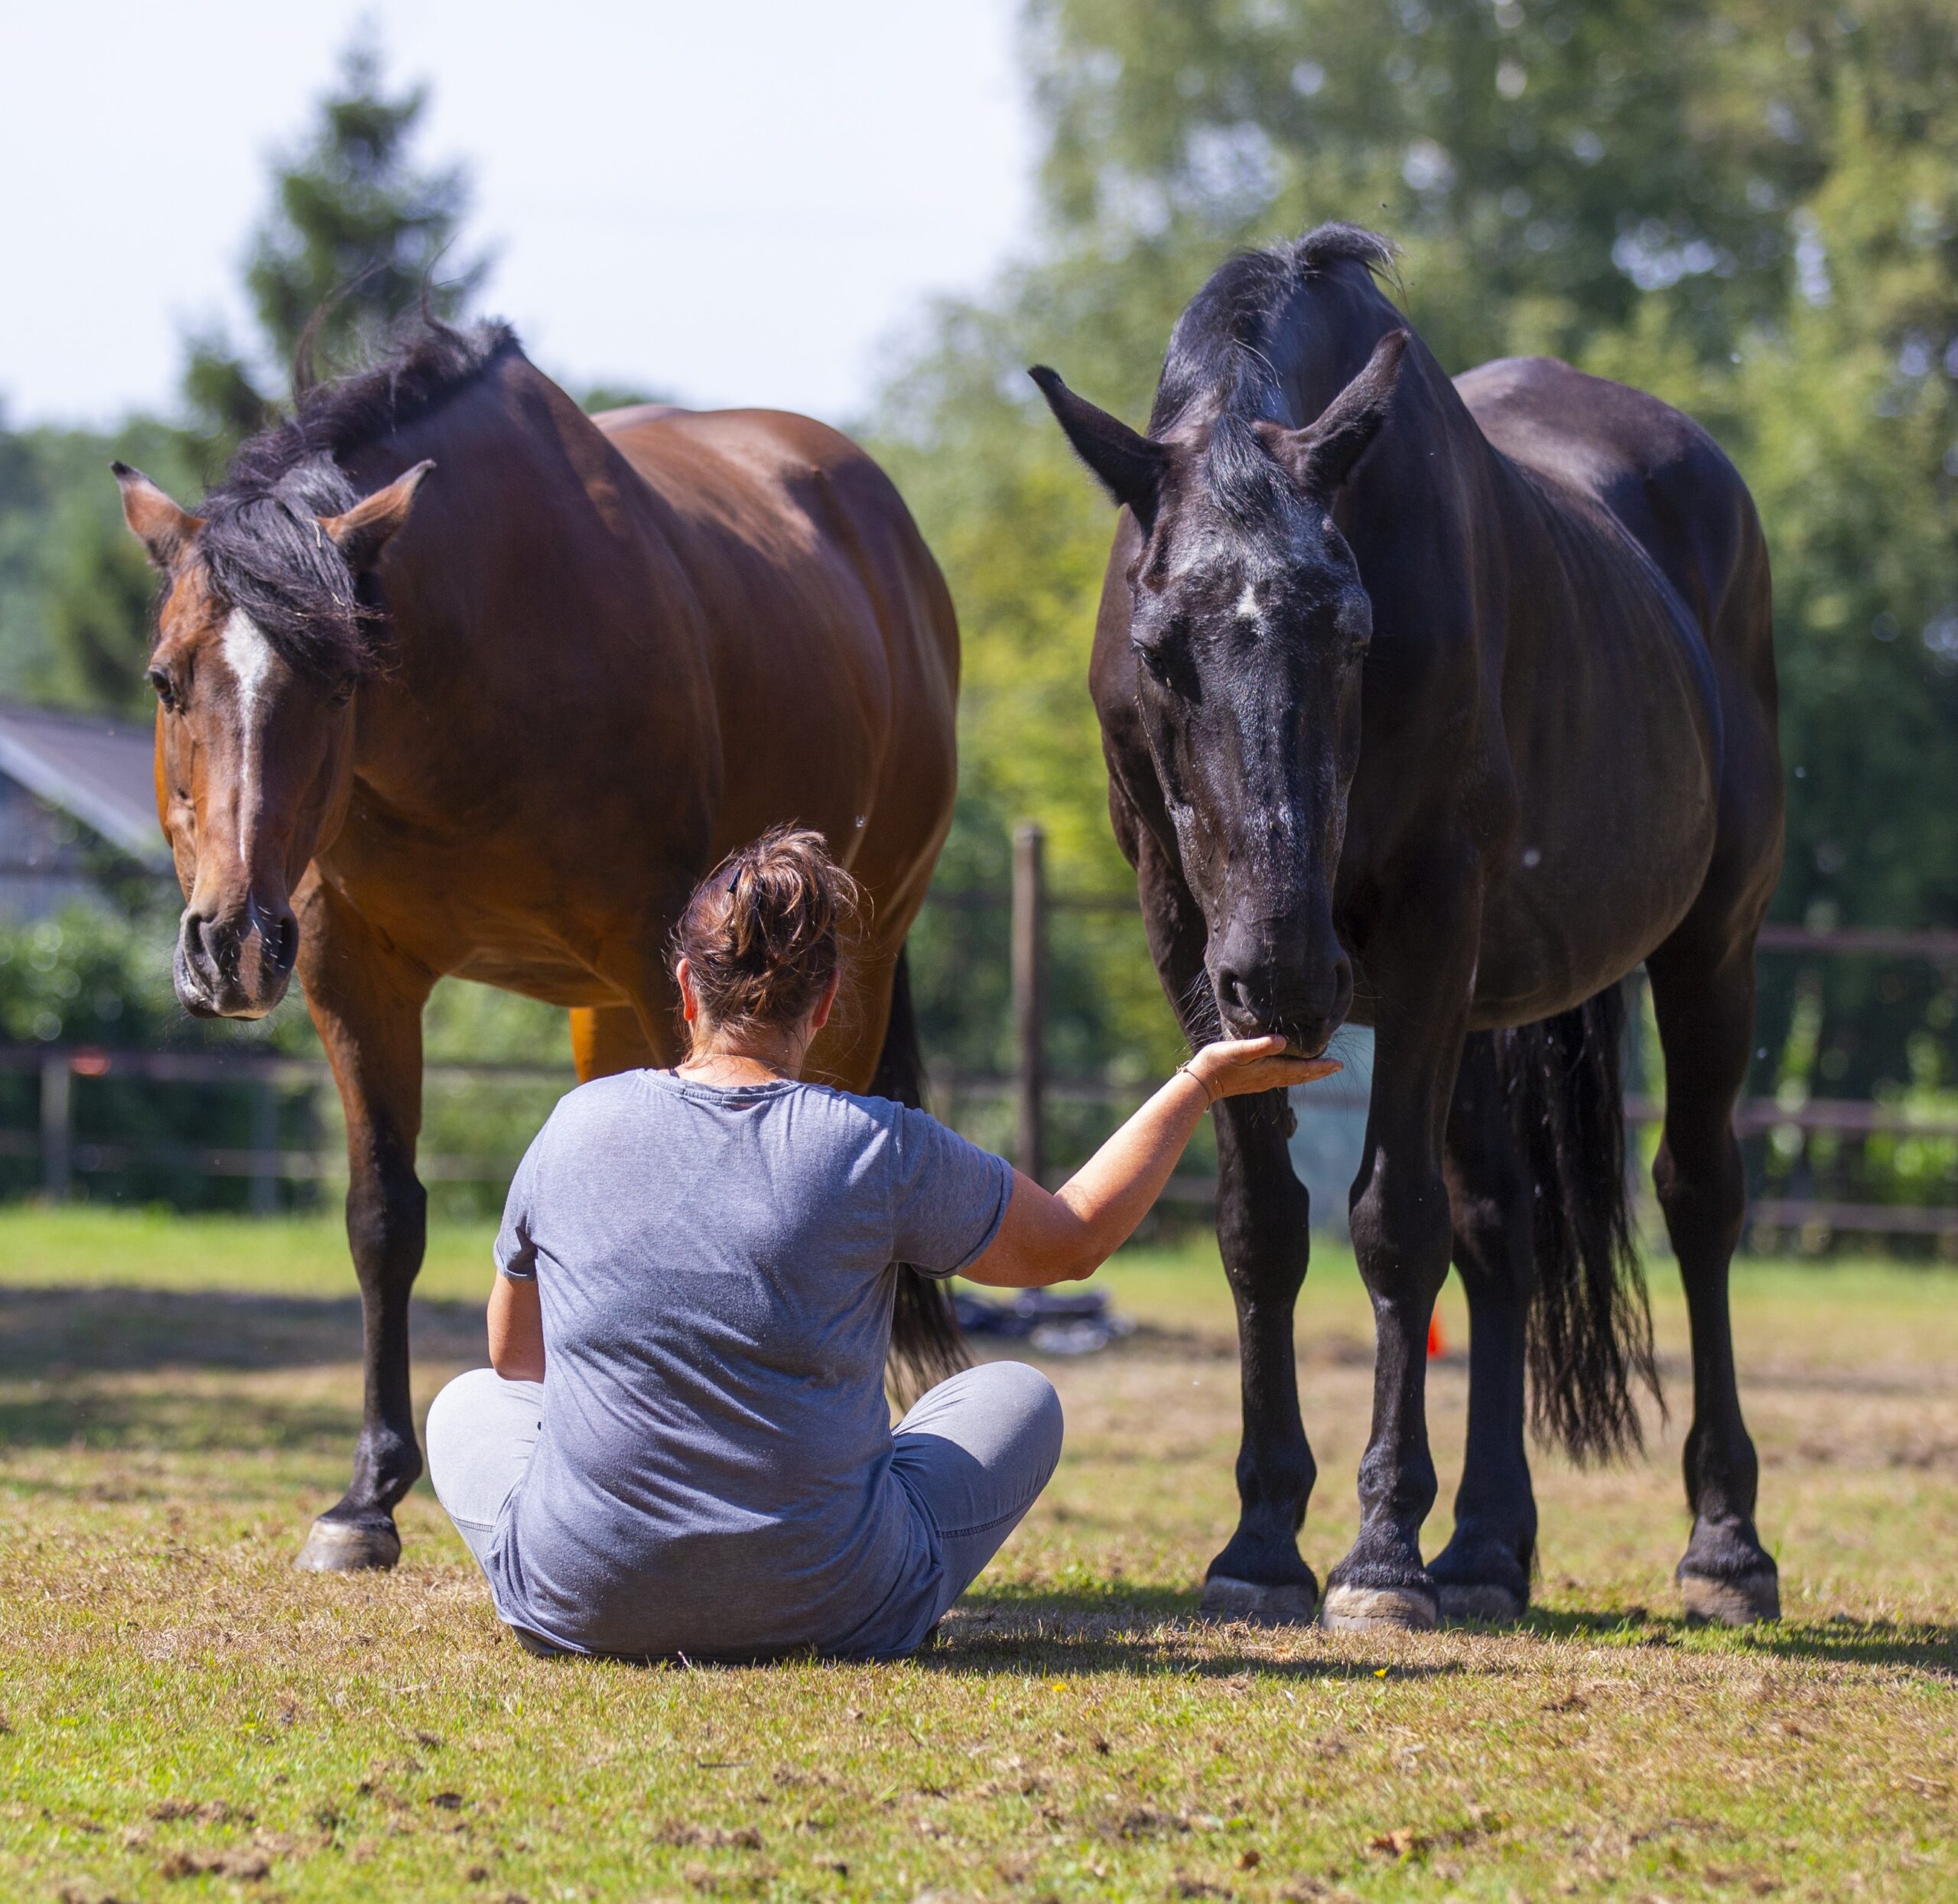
<point>1069,1233</point>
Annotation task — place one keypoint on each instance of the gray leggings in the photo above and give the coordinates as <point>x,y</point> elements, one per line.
<point>973,1454</point>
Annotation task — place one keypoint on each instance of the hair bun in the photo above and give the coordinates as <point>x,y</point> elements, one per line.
<point>764,932</point>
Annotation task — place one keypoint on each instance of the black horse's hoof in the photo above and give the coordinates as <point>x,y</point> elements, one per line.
<point>1482,1604</point>
<point>349,1547</point>
<point>1372,1609</point>
<point>1738,1602</point>
<point>1291,1603</point>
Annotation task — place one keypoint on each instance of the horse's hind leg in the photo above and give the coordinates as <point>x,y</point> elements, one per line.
<point>606,1039</point>
<point>1484,1571</point>
<point>1705,1007</point>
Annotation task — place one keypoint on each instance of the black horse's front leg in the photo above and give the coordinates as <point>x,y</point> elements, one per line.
<point>1262,1213</point>
<point>367,1005</point>
<point>1401,1234</point>
<point>1262,1233</point>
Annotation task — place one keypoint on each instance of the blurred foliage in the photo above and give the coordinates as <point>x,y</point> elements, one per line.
<point>1750,210</point>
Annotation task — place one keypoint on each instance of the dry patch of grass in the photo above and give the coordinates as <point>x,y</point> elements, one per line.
<point>181,1717</point>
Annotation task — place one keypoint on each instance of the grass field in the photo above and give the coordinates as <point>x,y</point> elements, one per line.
<point>181,1717</point>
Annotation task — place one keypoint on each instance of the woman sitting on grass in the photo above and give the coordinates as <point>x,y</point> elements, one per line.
<point>683,1445</point>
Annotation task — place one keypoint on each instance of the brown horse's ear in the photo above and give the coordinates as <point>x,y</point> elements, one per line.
<point>163,528</point>
<point>1321,456</point>
<point>1129,467</point>
<point>364,531</point>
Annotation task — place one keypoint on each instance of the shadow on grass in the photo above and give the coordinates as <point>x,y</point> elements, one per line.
<point>1145,1633</point>
<point>84,1416</point>
<point>1837,1642</point>
<point>1156,1632</point>
<point>48,1334</point>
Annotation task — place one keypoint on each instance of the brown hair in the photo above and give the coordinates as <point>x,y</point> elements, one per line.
<point>766,930</point>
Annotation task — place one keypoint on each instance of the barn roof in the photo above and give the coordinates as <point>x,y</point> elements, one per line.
<point>99,770</point>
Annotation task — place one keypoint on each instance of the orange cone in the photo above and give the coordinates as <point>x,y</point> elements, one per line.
<point>1437,1344</point>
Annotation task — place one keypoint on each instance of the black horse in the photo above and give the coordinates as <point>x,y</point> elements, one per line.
<point>1439,707</point>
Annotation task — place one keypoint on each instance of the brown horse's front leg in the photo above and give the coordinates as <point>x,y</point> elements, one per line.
<point>366,1002</point>
<point>1402,1235</point>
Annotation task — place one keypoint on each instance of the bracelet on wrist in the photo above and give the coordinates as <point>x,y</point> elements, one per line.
<point>1209,1095</point>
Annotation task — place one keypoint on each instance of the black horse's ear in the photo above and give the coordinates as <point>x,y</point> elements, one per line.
<point>364,531</point>
<point>1321,456</point>
<point>163,528</point>
<point>1130,467</point>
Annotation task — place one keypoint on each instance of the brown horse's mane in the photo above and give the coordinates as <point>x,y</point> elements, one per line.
<point>260,541</point>
<point>1231,348</point>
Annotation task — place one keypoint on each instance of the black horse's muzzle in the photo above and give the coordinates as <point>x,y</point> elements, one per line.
<point>1305,1004</point>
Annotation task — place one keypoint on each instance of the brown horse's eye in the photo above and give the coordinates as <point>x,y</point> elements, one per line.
<point>166,692</point>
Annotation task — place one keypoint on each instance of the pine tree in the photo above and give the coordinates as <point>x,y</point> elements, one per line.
<point>356,231</point>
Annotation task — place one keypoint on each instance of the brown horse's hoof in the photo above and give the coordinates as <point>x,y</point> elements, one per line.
<point>349,1547</point>
<point>1731,1602</point>
<point>1291,1605</point>
<point>1485,1605</point>
<point>1365,1609</point>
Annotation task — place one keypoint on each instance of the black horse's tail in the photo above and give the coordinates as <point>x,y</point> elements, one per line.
<point>1590,1326</point>
<point>926,1344</point>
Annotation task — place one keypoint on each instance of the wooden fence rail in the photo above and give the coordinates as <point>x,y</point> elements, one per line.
<point>1031,1088</point>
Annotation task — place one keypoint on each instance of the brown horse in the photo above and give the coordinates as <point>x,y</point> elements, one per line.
<point>455,680</point>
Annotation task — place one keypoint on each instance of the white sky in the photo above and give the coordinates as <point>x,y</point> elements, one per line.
<point>733,202</point>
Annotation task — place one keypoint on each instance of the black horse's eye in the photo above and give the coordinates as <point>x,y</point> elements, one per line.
<point>166,692</point>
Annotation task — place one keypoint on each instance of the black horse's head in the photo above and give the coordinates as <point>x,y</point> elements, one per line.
<point>1248,624</point>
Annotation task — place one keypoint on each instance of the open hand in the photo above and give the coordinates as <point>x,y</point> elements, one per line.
<point>1235,1066</point>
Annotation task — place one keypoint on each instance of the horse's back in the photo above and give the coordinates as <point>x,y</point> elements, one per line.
<point>1636,516</point>
<point>756,477</point>
<point>829,618</point>
<point>1657,471</point>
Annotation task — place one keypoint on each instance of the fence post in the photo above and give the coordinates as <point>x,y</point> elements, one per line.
<point>265,1146</point>
<point>1030,994</point>
<point>57,1125</point>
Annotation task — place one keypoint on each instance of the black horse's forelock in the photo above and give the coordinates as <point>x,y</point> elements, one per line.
<point>1224,362</point>
<point>262,544</point>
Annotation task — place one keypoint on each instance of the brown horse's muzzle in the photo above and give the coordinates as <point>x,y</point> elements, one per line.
<point>237,964</point>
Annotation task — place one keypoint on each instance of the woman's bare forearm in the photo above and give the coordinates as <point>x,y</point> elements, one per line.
<point>1069,1234</point>
<point>1115,1189</point>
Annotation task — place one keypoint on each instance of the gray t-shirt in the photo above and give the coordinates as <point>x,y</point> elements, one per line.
<point>715,1272</point>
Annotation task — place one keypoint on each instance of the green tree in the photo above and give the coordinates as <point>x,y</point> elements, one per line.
<point>354,237</point>
<point>356,229</point>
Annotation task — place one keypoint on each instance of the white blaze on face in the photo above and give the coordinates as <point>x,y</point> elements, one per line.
<point>249,655</point>
<point>1248,602</point>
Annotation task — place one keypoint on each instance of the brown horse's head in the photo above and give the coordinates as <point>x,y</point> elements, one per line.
<point>265,630</point>
<point>1247,623</point>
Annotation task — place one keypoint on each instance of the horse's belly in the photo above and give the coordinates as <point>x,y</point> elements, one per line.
<point>1611,849</point>
<point>553,981</point>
